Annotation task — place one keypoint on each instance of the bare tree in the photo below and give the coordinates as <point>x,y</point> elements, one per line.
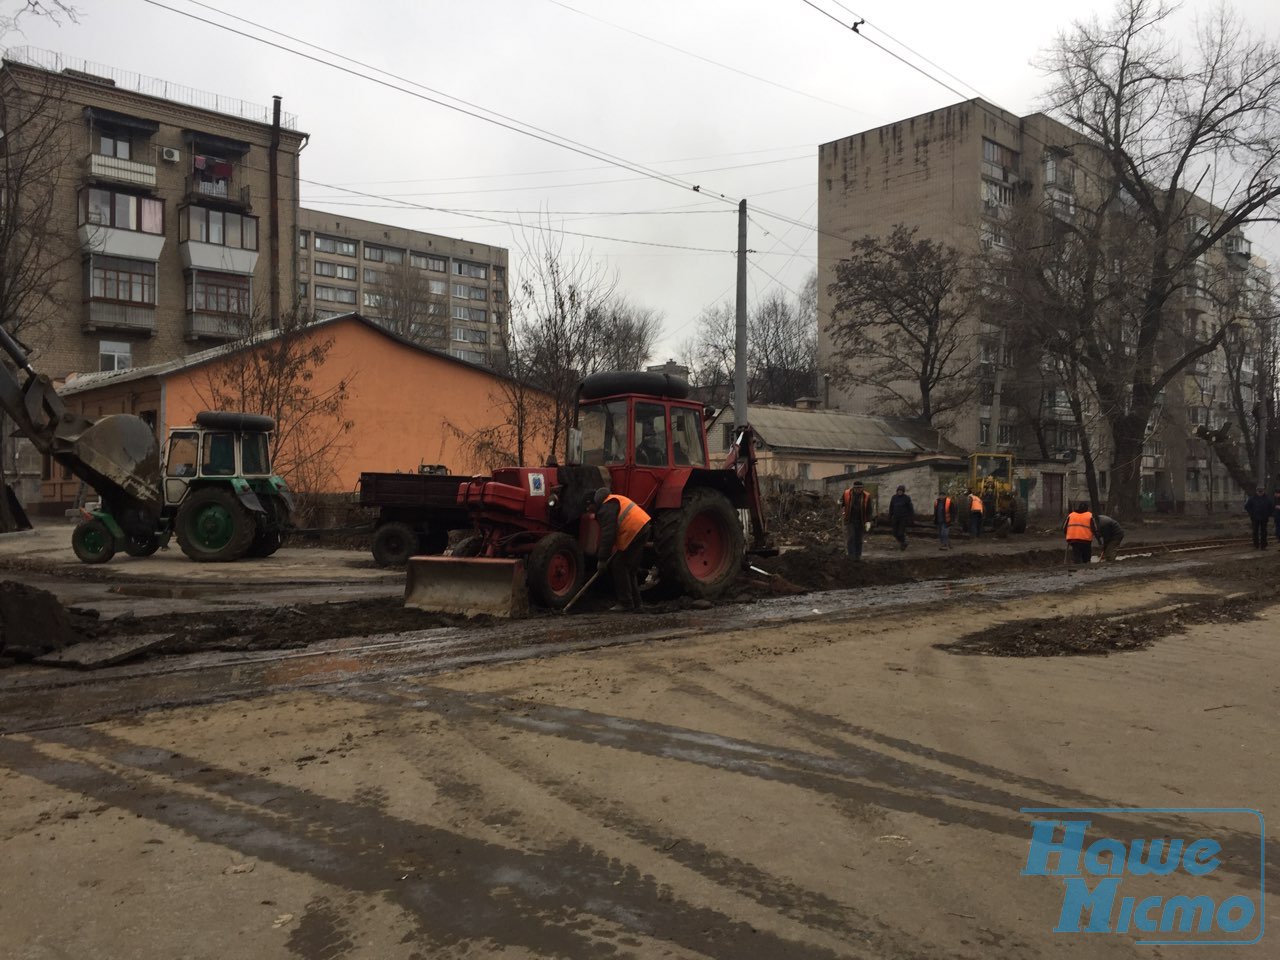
<point>709,354</point>
<point>34,252</point>
<point>782,349</point>
<point>901,324</point>
<point>272,371</point>
<point>623,334</point>
<point>1168,127</point>
<point>405,304</point>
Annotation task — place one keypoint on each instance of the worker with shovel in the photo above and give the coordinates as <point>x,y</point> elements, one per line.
<point>624,533</point>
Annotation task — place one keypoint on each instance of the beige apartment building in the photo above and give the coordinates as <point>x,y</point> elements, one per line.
<point>460,287</point>
<point>164,207</point>
<point>954,174</point>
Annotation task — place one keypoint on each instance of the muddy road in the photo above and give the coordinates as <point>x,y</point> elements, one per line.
<point>801,777</point>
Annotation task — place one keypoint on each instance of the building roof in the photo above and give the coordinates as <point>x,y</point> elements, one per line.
<point>793,430</point>
<point>92,381</point>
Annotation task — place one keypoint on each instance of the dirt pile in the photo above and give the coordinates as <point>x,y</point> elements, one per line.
<point>32,622</point>
<point>802,518</point>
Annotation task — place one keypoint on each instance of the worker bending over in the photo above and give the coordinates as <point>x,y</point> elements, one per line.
<point>624,533</point>
<point>1081,530</point>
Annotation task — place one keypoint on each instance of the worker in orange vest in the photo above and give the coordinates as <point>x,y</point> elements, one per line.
<point>976,510</point>
<point>943,515</point>
<point>624,533</point>
<point>855,508</point>
<point>1081,531</point>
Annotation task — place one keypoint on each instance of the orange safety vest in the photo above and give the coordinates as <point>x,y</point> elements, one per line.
<point>631,520</point>
<point>946,509</point>
<point>975,503</point>
<point>848,503</point>
<point>1080,526</point>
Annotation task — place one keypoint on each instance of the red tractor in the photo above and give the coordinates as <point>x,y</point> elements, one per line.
<point>639,435</point>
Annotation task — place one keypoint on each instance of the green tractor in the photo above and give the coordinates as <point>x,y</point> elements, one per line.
<point>219,497</point>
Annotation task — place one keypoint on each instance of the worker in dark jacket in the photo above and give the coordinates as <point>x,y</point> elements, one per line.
<point>1110,533</point>
<point>855,508</point>
<point>1259,507</point>
<point>901,514</point>
<point>1277,513</point>
<point>624,533</point>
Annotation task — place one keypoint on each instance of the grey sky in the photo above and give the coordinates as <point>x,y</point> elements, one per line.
<point>544,64</point>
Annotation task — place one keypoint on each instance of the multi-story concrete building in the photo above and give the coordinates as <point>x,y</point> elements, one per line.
<point>165,203</point>
<point>449,294</point>
<point>955,174</point>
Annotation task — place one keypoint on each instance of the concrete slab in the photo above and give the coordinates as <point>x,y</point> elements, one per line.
<point>106,653</point>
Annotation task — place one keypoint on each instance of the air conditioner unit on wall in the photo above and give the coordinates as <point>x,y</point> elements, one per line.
<point>171,154</point>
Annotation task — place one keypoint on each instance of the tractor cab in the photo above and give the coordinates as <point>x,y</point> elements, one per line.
<point>993,478</point>
<point>216,449</point>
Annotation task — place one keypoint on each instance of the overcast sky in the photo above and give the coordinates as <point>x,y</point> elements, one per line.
<point>578,69</point>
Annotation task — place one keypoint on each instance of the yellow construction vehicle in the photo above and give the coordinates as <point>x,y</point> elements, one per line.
<point>992,476</point>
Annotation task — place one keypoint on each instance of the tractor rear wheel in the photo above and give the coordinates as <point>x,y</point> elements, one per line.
<point>268,534</point>
<point>1018,517</point>
<point>700,546</point>
<point>394,543</point>
<point>556,570</point>
<point>93,542</point>
<point>214,527</point>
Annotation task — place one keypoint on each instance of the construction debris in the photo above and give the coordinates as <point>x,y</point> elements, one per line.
<point>32,622</point>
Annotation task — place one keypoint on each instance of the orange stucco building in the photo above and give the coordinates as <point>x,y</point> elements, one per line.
<point>405,404</point>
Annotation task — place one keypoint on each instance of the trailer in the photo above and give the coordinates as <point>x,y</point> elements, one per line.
<point>416,512</point>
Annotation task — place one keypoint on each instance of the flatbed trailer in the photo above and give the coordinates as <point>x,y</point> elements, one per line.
<point>416,512</point>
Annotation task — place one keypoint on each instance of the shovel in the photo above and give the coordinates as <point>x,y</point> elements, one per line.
<point>587,586</point>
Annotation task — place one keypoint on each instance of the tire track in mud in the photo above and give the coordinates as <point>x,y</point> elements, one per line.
<point>554,902</point>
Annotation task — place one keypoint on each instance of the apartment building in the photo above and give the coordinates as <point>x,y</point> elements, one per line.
<point>164,204</point>
<point>954,174</point>
<point>447,294</point>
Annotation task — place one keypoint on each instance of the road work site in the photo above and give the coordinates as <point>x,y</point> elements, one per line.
<point>832,761</point>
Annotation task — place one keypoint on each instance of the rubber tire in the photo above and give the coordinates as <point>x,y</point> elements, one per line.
<point>243,526</point>
<point>468,547</point>
<point>1018,523</point>
<point>265,542</point>
<point>554,556</point>
<point>670,541</point>
<point>394,543</point>
<point>144,547</point>
<point>270,535</point>
<point>92,541</point>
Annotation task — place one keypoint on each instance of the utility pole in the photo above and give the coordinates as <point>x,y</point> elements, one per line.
<point>273,173</point>
<point>740,344</point>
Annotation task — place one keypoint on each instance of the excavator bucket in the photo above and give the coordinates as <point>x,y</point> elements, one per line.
<point>117,455</point>
<point>468,586</point>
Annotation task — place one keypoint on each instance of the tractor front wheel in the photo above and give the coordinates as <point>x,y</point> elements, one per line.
<point>214,527</point>
<point>142,546</point>
<point>93,542</point>
<point>700,546</point>
<point>1018,518</point>
<point>556,570</point>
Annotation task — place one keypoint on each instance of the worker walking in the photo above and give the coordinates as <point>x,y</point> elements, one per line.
<point>855,507</point>
<point>902,513</point>
<point>624,533</point>
<point>1260,507</point>
<point>942,518</point>
<point>1081,530</point>
<point>1277,513</point>
<point>975,515</point>
<point>1110,533</point>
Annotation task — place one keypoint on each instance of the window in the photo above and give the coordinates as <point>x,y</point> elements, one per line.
<point>123,211</point>
<point>302,290</point>
<point>219,455</point>
<point>183,451</point>
<point>687,449</point>
<point>984,432</point>
<point>393,257</point>
<point>113,145</point>
<point>221,227</point>
<point>425,261</point>
<point>650,434</point>
<point>471,356</point>
<point>1000,194</point>
<point>726,435</point>
<point>438,264</point>
<point>372,301</point>
<point>802,471</point>
<point>464,291</point>
<point>1007,436</point>
<point>346,248</point>
<point>418,260</point>
<point>373,253</point>
<point>114,355</point>
<point>604,433</point>
<point>255,454</point>
<point>303,239</point>
<point>477,271</point>
<point>228,294</point>
<point>998,154</point>
<point>1193,481</point>
<point>1066,437</point>
<point>986,392</point>
<point>438,287</point>
<point>125,281</point>
<point>326,293</point>
<point>371,275</point>
<point>326,269</point>
<point>344,296</point>
<point>467,335</point>
<point>469,313</point>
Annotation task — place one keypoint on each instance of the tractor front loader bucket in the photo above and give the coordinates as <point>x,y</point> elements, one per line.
<point>468,586</point>
<point>116,455</point>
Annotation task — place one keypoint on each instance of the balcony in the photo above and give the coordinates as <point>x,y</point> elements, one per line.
<point>223,190</point>
<point>121,171</point>
<point>204,325</point>
<point>113,315</point>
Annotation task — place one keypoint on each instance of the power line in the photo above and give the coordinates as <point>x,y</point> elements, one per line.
<point>698,56</point>
<point>469,109</point>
